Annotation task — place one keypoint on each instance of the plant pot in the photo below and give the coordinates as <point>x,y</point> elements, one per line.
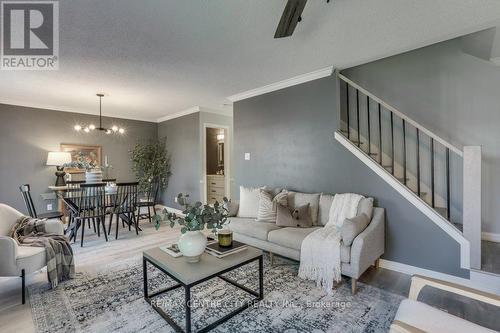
<point>192,245</point>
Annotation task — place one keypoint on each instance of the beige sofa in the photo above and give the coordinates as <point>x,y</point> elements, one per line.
<point>365,250</point>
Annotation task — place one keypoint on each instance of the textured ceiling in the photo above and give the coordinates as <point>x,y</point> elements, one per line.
<point>155,58</point>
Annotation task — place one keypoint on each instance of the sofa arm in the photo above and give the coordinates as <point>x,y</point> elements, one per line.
<point>8,254</point>
<point>369,245</point>
<point>54,226</point>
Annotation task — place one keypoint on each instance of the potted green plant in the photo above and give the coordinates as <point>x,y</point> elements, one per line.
<point>150,160</point>
<point>195,218</point>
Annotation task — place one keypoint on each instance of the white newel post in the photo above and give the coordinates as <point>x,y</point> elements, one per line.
<point>472,202</point>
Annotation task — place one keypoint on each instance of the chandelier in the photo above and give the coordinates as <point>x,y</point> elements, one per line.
<point>91,127</point>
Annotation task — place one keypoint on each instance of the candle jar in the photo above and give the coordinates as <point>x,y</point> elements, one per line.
<point>225,237</point>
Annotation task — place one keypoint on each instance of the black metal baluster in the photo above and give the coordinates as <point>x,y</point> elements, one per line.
<point>380,133</point>
<point>357,116</point>
<point>392,142</point>
<point>448,192</point>
<point>418,162</point>
<point>404,152</point>
<point>348,111</point>
<point>369,130</point>
<point>432,173</point>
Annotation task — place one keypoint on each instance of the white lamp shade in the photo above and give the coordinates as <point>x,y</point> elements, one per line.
<point>58,158</point>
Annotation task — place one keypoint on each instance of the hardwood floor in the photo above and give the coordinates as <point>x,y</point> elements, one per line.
<point>96,253</point>
<point>490,257</point>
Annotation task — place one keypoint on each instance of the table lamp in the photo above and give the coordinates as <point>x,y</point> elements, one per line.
<point>58,159</point>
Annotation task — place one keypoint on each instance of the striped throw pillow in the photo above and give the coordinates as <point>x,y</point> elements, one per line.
<point>268,205</point>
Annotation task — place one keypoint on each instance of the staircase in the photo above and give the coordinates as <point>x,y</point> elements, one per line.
<point>426,169</point>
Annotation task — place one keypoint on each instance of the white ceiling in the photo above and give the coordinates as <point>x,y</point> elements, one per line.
<point>156,58</point>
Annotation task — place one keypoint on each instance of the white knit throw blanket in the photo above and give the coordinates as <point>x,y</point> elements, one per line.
<point>320,250</point>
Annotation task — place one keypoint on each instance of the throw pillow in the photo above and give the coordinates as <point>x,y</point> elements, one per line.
<point>297,199</point>
<point>267,205</point>
<point>353,227</point>
<point>298,217</point>
<point>232,208</point>
<point>249,201</point>
<point>366,206</point>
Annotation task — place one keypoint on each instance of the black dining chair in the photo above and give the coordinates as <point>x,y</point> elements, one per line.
<point>30,207</point>
<point>149,200</point>
<point>125,204</point>
<point>91,203</point>
<point>70,196</point>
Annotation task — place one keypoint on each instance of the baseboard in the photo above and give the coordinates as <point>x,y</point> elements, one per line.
<point>413,270</point>
<point>490,236</point>
<point>478,280</point>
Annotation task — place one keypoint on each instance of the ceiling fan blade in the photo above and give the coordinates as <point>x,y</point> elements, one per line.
<point>290,18</point>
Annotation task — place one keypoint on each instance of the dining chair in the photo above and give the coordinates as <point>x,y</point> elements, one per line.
<point>149,200</point>
<point>125,204</point>
<point>30,207</point>
<point>91,206</point>
<point>69,199</point>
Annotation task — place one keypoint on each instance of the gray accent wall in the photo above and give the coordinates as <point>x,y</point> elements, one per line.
<point>454,95</point>
<point>183,144</point>
<point>289,134</point>
<point>27,134</point>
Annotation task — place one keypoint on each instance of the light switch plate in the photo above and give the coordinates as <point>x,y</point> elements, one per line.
<point>49,207</point>
<point>247,156</point>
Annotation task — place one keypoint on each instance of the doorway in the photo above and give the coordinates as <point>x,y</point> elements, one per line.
<point>216,164</point>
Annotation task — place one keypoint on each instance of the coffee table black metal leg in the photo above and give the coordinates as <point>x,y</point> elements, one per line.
<point>144,276</point>
<point>261,278</point>
<point>187,290</point>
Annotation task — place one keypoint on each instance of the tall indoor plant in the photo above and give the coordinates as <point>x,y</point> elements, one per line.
<point>195,218</point>
<point>150,160</point>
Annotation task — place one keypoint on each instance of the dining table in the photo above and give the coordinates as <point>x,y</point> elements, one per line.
<point>68,199</point>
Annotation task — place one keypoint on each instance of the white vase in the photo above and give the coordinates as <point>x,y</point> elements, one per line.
<point>192,244</point>
<point>93,176</point>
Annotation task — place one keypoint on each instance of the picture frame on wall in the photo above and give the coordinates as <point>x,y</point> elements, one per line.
<point>89,154</point>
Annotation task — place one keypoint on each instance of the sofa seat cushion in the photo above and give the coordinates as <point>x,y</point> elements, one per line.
<point>252,228</point>
<point>292,238</point>
<point>430,319</point>
<point>30,258</point>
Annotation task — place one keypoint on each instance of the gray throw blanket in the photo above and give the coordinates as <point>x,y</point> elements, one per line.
<point>59,255</point>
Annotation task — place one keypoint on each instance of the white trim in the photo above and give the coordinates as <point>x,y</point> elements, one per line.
<point>401,115</point>
<point>495,61</point>
<point>441,222</point>
<point>490,236</point>
<point>170,209</point>
<point>318,74</point>
<point>58,109</point>
<point>479,280</point>
<point>227,160</point>
<point>194,109</point>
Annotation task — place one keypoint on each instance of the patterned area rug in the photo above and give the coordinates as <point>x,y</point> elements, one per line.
<point>112,301</point>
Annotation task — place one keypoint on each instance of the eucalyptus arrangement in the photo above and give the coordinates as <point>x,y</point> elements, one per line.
<point>150,161</point>
<point>195,218</point>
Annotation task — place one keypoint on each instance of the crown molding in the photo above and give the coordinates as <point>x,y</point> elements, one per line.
<point>58,109</point>
<point>194,109</point>
<point>318,74</point>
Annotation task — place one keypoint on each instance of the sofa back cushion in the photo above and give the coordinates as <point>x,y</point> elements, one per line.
<point>297,199</point>
<point>325,202</point>
<point>365,206</point>
<point>294,217</point>
<point>249,201</point>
